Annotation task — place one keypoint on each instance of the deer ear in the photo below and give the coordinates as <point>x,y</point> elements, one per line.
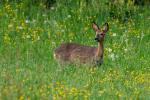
<point>95,26</point>
<point>105,27</point>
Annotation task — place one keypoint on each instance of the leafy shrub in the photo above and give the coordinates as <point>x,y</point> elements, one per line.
<point>47,3</point>
<point>141,2</point>
<point>120,9</point>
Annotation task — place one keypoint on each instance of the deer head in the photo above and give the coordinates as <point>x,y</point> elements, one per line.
<point>100,32</point>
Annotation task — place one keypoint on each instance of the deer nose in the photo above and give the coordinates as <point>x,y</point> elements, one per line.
<point>96,38</point>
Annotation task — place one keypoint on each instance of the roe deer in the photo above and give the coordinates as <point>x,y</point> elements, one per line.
<point>72,52</point>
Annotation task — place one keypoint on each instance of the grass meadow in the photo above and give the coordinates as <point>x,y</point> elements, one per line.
<point>29,34</point>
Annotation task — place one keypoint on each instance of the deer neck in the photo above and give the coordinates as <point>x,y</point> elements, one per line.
<point>100,49</point>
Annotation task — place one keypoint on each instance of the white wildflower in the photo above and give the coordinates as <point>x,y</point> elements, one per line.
<point>62,30</point>
<point>112,56</point>
<point>52,8</point>
<point>69,16</point>
<point>126,31</point>
<point>38,38</point>
<point>142,35</point>
<point>45,21</point>
<point>27,21</point>
<point>109,50</point>
<point>44,15</point>
<point>138,36</point>
<point>28,36</point>
<point>125,49</point>
<point>114,34</point>
<point>10,25</point>
<point>20,27</point>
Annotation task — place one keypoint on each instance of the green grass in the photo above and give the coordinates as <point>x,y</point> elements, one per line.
<point>28,37</point>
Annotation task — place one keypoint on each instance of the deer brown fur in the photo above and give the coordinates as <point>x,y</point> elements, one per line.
<point>72,52</point>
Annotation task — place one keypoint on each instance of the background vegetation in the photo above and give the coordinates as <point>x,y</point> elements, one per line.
<point>31,29</point>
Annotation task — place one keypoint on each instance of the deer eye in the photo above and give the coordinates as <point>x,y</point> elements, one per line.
<point>102,34</point>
